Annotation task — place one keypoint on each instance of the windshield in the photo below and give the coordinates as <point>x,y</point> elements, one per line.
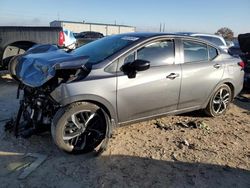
<point>101,49</point>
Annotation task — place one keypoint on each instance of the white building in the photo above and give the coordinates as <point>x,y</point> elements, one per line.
<point>105,29</point>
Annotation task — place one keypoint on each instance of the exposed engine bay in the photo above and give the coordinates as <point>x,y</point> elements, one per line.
<point>38,75</point>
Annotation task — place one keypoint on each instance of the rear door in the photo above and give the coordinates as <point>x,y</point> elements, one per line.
<point>150,92</point>
<point>201,72</point>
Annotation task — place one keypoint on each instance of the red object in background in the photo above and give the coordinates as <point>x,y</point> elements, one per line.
<point>242,64</point>
<point>61,38</point>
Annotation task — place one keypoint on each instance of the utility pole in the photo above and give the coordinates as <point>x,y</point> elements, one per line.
<point>58,16</point>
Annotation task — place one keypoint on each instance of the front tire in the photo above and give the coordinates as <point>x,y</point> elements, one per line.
<point>79,127</point>
<point>219,102</point>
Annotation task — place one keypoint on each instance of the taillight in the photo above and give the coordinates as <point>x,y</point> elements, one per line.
<point>241,64</point>
<point>61,38</point>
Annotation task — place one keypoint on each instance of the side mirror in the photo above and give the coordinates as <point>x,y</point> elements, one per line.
<point>132,68</point>
<point>141,65</point>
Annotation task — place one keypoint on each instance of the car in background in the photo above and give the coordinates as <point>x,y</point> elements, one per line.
<point>86,37</point>
<point>229,43</point>
<point>235,50</point>
<point>215,39</point>
<point>69,39</point>
<point>244,43</point>
<point>16,40</point>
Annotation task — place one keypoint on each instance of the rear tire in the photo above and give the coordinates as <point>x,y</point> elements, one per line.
<point>79,127</point>
<point>219,102</point>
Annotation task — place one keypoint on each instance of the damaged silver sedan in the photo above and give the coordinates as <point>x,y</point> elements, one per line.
<point>82,94</point>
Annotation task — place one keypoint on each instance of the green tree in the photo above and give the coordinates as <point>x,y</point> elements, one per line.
<point>226,33</point>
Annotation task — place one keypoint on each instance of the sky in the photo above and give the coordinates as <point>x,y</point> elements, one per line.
<point>205,16</point>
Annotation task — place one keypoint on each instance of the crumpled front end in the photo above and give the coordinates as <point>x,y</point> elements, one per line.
<point>42,62</point>
<point>39,72</point>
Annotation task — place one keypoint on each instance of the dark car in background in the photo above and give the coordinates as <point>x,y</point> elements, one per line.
<point>244,43</point>
<point>86,37</point>
<point>235,50</point>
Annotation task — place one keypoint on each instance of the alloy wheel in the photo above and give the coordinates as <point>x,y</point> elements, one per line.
<point>84,129</point>
<point>221,100</point>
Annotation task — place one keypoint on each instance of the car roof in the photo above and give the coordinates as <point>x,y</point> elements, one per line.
<point>198,34</point>
<point>207,35</point>
<point>153,34</point>
<point>147,35</point>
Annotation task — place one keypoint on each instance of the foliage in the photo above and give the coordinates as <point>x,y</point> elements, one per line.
<point>226,33</point>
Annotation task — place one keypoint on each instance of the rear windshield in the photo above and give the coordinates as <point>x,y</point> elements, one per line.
<point>101,49</point>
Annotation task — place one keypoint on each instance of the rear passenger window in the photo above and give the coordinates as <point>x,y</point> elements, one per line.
<point>214,40</point>
<point>194,52</point>
<point>212,52</point>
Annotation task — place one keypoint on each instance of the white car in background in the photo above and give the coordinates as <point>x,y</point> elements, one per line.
<point>215,39</point>
<point>69,39</point>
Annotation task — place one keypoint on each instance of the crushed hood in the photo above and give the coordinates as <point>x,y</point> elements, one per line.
<point>39,64</point>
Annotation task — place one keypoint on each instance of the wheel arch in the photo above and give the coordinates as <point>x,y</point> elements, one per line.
<point>97,100</point>
<point>12,49</point>
<point>228,82</point>
<point>232,88</point>
<point>25,45</point>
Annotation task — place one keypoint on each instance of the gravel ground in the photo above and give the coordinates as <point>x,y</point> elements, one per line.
<point>189,150</point>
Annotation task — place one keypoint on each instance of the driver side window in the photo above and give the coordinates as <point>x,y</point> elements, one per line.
<point>159,53</point>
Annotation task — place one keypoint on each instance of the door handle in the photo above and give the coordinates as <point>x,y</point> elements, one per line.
<point>217,65</point>
<point>172,76</point>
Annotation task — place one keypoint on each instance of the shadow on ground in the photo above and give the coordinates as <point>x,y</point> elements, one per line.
<point>243,100</point>
<point>125,171</point>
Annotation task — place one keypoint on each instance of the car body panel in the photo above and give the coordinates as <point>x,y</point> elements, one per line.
<point>91,89</point>
<point>193,90</point>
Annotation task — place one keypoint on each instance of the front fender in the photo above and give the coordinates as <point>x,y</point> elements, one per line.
<point>63,97</point>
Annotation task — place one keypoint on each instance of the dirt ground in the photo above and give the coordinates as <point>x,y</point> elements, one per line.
<point>189,150</point>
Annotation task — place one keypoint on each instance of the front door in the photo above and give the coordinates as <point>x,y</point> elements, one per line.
<point>154,91</point>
